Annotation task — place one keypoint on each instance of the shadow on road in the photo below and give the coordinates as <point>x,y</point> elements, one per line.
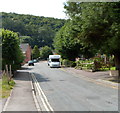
<point>40,78</point>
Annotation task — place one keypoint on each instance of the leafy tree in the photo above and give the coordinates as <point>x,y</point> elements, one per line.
<point>67,44</point>
<point>35,52</point>
<point>11,52</point>
<point>45,52</point>
<point>98,25</point>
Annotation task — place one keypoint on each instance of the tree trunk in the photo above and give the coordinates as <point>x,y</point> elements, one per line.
<point>117,62</point>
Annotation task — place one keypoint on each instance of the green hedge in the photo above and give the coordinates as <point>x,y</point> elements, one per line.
<point>94,64</point>
<point>68,63</point>
<point>85,64</point>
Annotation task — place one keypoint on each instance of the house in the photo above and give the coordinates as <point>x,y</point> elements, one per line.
<point>26,49</point>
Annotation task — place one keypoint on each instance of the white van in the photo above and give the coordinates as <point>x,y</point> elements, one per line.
<point>54,61</point>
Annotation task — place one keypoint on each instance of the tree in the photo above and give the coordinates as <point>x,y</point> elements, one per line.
<point>11,52</point>
<point>67,44</point>
<point>35,52</point>
<point>45,52</point>
<point>98,25</point>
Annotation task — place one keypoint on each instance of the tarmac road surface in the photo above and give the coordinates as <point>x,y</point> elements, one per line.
<point>66,92</point>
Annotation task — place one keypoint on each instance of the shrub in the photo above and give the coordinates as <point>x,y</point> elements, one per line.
<point>68,63</point>
<point>73,63</point>
<point>85,64</point>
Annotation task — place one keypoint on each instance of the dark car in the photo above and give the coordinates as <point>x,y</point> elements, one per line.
<point>31,63</point>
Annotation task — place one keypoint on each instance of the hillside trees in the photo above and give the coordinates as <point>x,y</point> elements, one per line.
<point>99,26</point>
<point>25,39</point>
<point>11,52</point>
<point>40,29</point>
<point>44,37</point>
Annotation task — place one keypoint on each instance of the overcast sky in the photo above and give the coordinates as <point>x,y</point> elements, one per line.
<point>47,8</point>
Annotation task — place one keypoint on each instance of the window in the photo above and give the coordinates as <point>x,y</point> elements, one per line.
<point>55,60</point>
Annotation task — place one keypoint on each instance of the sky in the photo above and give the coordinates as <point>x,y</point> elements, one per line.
<point>46,8</point>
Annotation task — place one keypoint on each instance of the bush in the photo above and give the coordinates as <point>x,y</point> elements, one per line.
<point>73,63</point>
<point>96,63</point>
<point>68,63</point>
<point>85,64</point>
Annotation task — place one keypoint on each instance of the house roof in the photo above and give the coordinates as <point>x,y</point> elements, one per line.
<point>24,47</point>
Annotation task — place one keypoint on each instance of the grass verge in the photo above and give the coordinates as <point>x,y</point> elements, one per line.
<point>6,86</point>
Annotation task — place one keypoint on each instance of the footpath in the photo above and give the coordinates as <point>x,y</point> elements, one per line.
<point>21,98</point>
<point>101,77</point>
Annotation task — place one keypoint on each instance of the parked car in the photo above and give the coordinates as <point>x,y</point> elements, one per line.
<point>31,63</point>
<point>35,61</point>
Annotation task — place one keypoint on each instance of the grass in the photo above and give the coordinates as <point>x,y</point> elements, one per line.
<point>107,69</point>
<point>113,68</point>
<point>6,86</point>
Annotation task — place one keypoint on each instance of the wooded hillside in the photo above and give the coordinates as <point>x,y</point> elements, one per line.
<point>34,30</point>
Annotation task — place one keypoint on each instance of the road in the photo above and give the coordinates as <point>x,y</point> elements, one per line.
<point>66,92</point>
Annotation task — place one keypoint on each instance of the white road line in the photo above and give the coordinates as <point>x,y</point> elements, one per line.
<point>35,99</point>
<point>42,95</point>
<point>37,86</point>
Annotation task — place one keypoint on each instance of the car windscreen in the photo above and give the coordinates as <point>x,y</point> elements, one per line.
<point>30,61</point>
<point>55,60</point>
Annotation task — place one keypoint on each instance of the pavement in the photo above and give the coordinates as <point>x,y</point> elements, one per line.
<point>100,76</point>
<point>2,103</point>
<point>93,75</point>
<point>21,98</point>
